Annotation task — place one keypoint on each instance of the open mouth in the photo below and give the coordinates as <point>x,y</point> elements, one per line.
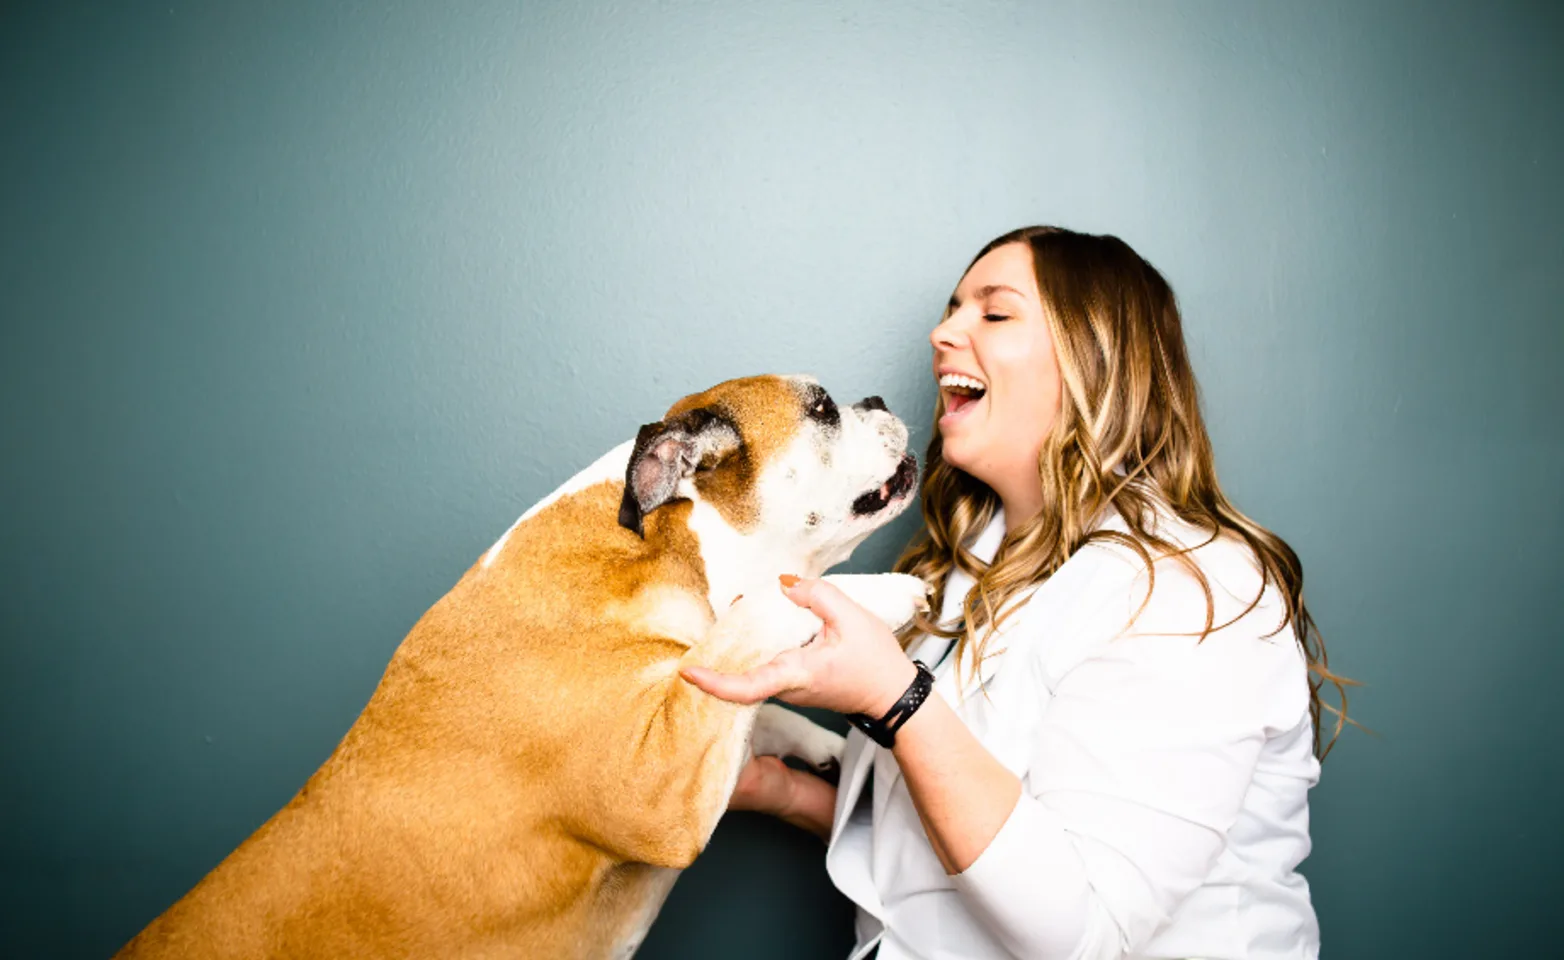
<point>899,485</point>
<point>960,392</point>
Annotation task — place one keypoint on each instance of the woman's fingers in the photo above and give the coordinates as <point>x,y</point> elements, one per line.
<point>784,673</point>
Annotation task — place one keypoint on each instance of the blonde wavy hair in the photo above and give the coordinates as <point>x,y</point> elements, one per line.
<point>1128,434</point>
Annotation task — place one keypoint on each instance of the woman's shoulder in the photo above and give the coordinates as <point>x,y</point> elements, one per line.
<point>1214,597</point>
<point>1202,567</point>
<point>1147,625</point>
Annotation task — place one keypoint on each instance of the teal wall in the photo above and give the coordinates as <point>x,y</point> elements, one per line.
<point>304,302</point>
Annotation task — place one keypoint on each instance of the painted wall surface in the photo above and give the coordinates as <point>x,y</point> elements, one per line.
<point>303,303</point>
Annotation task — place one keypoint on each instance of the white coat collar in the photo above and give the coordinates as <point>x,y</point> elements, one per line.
<point>887,772</point>
<point>957,585</point>
<point>862,755</point>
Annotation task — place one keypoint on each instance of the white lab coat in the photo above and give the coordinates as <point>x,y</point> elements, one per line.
<point>1165,782</point>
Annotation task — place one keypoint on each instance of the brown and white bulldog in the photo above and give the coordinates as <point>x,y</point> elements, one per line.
<point>532,773</point>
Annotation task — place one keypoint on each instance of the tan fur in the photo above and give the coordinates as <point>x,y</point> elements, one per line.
<point>528,761</point>
<point>766,410</point>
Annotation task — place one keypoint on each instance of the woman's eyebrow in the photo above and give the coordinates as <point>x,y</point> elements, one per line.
<point>984,292</point>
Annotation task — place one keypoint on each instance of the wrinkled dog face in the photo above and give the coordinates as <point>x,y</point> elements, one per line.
<point>780,461</point>
<point>846,473</point>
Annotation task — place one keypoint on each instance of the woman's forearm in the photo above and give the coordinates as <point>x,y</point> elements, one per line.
<point>963,795</point>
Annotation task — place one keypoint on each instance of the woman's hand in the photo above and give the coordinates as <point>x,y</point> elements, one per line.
<point>767,785</point>
<point>854,665</point>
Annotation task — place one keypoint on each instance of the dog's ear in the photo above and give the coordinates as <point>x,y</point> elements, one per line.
<point>665,454</point>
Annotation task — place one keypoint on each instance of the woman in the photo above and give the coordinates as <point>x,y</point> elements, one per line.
<point>1115,756</point>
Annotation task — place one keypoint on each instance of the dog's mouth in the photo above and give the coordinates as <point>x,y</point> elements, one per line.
<point>900,484</point>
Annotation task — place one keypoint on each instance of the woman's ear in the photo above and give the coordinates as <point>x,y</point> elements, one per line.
<point>665,454</point>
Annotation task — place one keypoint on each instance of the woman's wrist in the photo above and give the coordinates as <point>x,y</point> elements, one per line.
<point>891,689</point>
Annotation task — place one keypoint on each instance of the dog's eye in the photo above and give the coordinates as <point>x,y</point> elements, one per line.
<point>824,411</point>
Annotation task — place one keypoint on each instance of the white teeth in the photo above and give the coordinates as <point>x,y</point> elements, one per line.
<point>957,380</point>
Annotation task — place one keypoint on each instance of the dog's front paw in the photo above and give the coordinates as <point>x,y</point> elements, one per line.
<point>894,598</point>
<point>779,732</point>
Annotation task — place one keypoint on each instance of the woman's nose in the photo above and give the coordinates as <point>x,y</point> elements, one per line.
<point>944,336</point>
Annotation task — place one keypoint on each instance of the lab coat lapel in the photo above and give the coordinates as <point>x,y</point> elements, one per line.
<point>855,770</point>
<point>886,770</point>
<point>967,697</point>
<point>849,858</point>
<point>930,649</point>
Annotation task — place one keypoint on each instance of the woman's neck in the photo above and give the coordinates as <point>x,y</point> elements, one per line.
<point>1020,508</point>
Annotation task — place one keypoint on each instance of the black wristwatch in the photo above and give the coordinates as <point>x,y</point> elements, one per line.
<point>883,730</point>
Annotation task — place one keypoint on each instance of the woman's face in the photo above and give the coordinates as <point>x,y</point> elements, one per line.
<point>999,377</point>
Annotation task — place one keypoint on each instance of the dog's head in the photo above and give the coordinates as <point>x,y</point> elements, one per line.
<point>778,461</point>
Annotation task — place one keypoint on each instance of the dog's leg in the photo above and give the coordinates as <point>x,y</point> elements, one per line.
<point>697,743</point>
<point>780,732</point>
<point>892,597</point>
<point>761,625</point>
<point>758,627</point>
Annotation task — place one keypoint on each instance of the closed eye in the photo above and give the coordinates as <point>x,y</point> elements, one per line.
<point>994,317</point>
<point>824,410</point>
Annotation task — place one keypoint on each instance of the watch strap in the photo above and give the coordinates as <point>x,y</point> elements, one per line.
<point>883,730</point>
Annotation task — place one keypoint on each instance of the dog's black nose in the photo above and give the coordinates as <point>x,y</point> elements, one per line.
<point>872,403</point>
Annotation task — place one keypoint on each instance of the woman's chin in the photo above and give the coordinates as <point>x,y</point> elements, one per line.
<point>966,455</point>
<point>953,451</point>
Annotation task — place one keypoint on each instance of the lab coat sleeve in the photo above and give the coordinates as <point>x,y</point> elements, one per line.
<point>1137,771</point>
